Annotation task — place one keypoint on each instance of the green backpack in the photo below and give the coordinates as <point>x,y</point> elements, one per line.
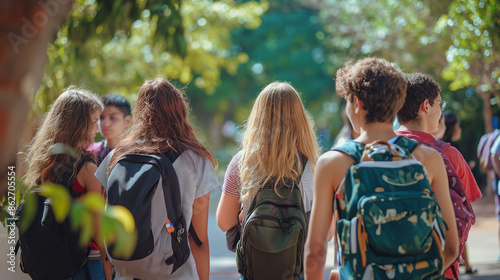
<point>390,224</point>
<point>273,237</point>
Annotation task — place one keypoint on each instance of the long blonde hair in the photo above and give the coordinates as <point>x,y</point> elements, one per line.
<point>278,130</point>
<point>68,122</point>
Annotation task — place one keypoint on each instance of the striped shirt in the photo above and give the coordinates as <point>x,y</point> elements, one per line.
<point>232,184</point>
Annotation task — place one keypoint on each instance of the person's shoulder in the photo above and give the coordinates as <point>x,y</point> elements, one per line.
<point>429,157</point>
<point>89,167</point>
<point>191,159</point>
<point>453,153</point>
<point>335,158</point>
<point>423,151</point>
<point>190,154</point>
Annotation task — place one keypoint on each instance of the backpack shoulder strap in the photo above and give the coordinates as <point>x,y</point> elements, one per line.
<point>67,177</point>
<point>406,143</point>
<point>303,161</point>
<point>351,148</point>
<point>440,144</point>
<point>102,150</point>
<point>193,234</point>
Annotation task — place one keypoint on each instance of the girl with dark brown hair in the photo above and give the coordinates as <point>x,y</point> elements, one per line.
<point>161,125</point>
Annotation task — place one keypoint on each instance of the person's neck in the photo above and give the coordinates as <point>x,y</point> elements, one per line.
<point>413,126</point>
<point>112,143</point>
<point>376,131</point>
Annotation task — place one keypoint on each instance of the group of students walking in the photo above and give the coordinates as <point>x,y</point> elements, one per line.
<point>386,199</point>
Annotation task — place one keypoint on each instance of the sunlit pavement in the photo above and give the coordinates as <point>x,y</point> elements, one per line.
<point>483,247</point>
<point>483,241</point>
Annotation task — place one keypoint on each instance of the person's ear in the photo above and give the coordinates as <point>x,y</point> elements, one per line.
<point>357,104</point>
<point>425,106</point>
<point>128,120</point>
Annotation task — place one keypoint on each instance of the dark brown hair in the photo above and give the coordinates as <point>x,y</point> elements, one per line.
<point>450,121</point>
<point>419,88</point>
<point>160,124</point>
<point>379,84</point>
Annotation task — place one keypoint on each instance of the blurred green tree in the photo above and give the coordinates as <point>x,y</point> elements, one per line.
<point>451,39</point>
<point>473,56</point>
<point>113,46</point>
<point>287,46</point>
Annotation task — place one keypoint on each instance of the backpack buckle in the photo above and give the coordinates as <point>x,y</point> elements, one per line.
<point>179,233</point>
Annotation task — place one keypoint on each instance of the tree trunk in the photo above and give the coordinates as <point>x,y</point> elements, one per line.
<point>215,133</point>
<point>26,27</point>
<point>487,113</point>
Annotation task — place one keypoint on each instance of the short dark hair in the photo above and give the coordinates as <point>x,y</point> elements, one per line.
<point>450,120</point>
<point>375,81</point>
<point>119,102</point>
<point>419,88</point>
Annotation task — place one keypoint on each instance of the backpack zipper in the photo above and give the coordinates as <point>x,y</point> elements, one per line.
<point>279,205</point>
<point>279,221</point>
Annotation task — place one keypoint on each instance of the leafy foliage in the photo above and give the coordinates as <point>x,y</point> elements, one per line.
<point>454,40</point>
<point>287,46</point>
<point>400,31</point>
<point>473,60</point>
<point>116,223</point>
<point>113,46</point>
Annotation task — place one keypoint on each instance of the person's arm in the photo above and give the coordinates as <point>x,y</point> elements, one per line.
<point>438,179</point>
<point>199,222</point>
<point>227,211</point>
<point>495,162</point>
<point>229,204</point>
<point>92,184</point>
<point>106,264</point>
<point>325,185</point>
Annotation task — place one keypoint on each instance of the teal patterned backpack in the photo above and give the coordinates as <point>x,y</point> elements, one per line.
<point>390,225</point>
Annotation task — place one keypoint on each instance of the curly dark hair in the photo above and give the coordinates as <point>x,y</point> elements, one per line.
<point>420,87</point>
<point>375,81</point>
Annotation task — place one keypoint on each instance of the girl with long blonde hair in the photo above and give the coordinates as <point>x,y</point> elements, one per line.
<point>60,143</point>
<point>277,135</point>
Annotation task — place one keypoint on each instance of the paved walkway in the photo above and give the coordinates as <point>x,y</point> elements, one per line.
<point>483,247</point>
<point>483,241</point>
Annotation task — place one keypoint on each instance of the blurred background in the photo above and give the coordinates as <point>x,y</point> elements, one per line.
<point>222,53</point>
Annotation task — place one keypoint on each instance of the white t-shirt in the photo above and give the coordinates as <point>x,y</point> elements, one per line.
<point>196,177</point>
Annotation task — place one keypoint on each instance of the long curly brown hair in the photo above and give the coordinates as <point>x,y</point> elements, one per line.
<point>160,124</point>
<point>68,122</point>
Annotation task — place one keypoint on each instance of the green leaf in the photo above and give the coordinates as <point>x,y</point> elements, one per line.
<point>76,215</point>
<point>60,199</point>
<point>93,202</point>
<point>125,243</point>
<point>61,148</point>
<point>30,207</point>
<point>86,228</point>
<point>123,216</point>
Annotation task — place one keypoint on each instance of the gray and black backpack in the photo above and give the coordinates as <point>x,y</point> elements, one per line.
<point>148,187</point>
